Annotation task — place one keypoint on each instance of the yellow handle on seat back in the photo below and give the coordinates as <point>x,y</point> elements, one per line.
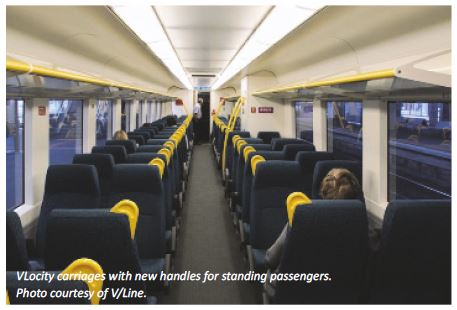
<point>235,138</point>
<point>159,164</point>
<point>239,144</point>
<point>170,148</point>
<point>255,161</point>
<point>247,150</point>
<point>170,144</point>
<point>293,200</point>
<point>130,209</point>
<point>86,266</point>
<point>167,154</point>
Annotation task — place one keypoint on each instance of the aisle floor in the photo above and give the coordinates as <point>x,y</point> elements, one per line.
<point>207,241</point>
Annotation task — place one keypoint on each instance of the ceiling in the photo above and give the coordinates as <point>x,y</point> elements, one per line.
<point>206,38</point>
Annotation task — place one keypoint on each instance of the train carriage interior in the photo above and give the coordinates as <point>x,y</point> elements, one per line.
<point>229,154</point>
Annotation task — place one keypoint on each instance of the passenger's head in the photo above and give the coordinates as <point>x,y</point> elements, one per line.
<point>200,100</point>
<point>120,135</point>
<point>340,184</point>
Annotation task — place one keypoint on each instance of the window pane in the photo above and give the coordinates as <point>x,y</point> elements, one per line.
<point>304,120</point>
<point>14,153</point>
<point>419,150</point>
<point>104,121</point>
<point>344,130</point>
<point>65,130</point>
<point>125,117</point>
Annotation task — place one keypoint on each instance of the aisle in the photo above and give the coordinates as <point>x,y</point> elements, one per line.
<point>208,241</point>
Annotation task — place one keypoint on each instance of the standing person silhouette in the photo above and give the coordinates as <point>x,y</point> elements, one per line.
<point>197,118</point>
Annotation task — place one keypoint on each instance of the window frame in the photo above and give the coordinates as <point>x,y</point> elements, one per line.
<point>23,154</point>
<point>111,126</point>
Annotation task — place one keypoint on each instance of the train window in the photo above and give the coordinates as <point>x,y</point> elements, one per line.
<point>14,153</point>
<point>304,120</point>
<point>419,150</point>
<point>104,121</point>
<point>65,130</point>
<point>125,111</point>
<point>344,130</point>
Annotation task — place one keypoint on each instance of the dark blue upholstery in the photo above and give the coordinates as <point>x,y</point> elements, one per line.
<point>308,161</point>
<point>104,163</point>
<point>16,250</point>
<point>277,144</point>
<point>67,187</point>
<point>143,185</point>
<point>13,284</point>
<point>130,145</point>
<point>323,167</point>
<point>413,265</point>
<point>230,150</point>
<point>267,136</point>
<point>328,236</point>
<point>156,141</point>
<point>150,148</point>
<point>291,150</point>
<point>117,151</point>
<point>145,133</point>
<point>139,139</point>
<point>99,234</point>
<point>272,184</point>
<point>246,181</point>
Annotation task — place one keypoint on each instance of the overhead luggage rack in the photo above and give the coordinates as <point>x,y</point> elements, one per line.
<point>409,81</point>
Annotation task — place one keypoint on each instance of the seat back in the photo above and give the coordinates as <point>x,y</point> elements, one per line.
<point>104,163</point>
<point>16,250</point>
<point>308,161</point>
<point>277,144</point>
<point>327,237</point>
<point>117,151</point>
<point>273,182</point>
<point>13,283</point>
<point>267,136</point>
<point>237,160</point>
<point>139,139</point>
<point>130,145</point>
<point>415,245</point>
<point>67,187</point>
<point>148,148</point>
<point>324,166</point>
<point>143,185</point>
<point>246,181</point>
<point>230,149</point>
<point>291,150</point>
<point>97,234</point>
<point>155,141</point>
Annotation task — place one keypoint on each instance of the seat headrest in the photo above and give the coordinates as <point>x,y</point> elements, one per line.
<point>323,167</point>
<point>104,163</point>
<point>267,136</point>
<point>144,158</point>
<point>277,173</point>
<point>119,153</point>
<point>130,178</point>
<point>156,141</point>
<point>16,250</point>
<point>277,144</point>
<point>150,148</point>
<point>253,140</point>
<point>76,178</point>
<point>291,150</point>
<point>130,145</point>
<point>257,147</point>
<point>139,139</point>
<point>308,160</point>
<point>243,134</point>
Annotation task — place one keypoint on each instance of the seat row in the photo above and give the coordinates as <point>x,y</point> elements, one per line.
<point>75,219</point>
<point>332,236</point>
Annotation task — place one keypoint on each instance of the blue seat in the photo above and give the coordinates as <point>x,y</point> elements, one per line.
<point>104,163</point>
<point>229,151</point>
<point>413,264</point>
<point>130,145</point>
<point>16,249</point>
<point>117,151</point>
<point>277,144</point>
<point>267,136</point>
<point>139,139</point>
<point>291,150</point>
<point>243,209</point>
<point>308,161</point>
<point>67,187</point>
<point>143,185</point>
<point>327,236</point>
<point>100,235</point>
<point>322,168</point>
<point>145,133</point>
<point>273,182</point>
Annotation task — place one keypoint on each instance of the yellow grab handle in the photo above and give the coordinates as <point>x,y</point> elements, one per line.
<point>159,164</point>
<point>255,161</point>
<point>293,200</point>
<point>130,209</point>
<point>247,150</point>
